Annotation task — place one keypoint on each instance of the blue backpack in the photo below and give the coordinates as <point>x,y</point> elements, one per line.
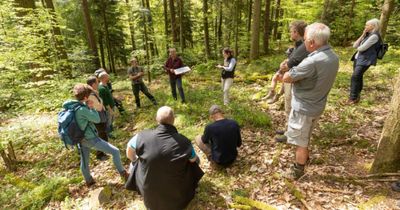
<point>68,128</point>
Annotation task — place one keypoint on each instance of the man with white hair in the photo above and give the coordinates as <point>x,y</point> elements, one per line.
<point>165,166</point>
<point>312,80</point>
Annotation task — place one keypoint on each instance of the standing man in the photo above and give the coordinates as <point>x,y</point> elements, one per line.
<point>135,74</point>
<point>298,54</point>
<point>174,62</point>
<point>312,80</point>
<point>108,101</point>
<point>166,171</point>
<point>220,138</point>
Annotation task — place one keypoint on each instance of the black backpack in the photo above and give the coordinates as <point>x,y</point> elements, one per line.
<point>381,50</point>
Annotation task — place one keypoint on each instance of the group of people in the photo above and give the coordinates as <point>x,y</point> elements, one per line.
<point>164,166</point>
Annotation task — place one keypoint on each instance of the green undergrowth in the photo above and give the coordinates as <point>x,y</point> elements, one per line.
<point>46,169</point>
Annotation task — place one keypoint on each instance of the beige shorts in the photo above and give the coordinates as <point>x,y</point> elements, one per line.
<point>299,129</point>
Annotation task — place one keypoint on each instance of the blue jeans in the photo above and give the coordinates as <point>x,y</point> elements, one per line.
<point>357,81</point>
<point>99,145</point>
<point>174,83</point>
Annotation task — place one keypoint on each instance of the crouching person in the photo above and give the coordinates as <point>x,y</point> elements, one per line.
<point>86,117</point>
<point>220,139</point>
<point>165,166</point>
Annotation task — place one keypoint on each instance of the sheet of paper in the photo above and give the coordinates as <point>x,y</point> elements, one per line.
<point>182,70</point>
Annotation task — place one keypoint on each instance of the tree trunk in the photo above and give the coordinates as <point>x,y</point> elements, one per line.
<point>165,4</point>
<point>149,22</point>
<point>101,46</point>
<point>324,14</point>
<point>181,37</point>
<point>206,33</point>
<point>60,47</point>
<point>27,4</point>
<point>131,25</point>
<point>249,14</point>
<point>108,42</point>
<point>220,23</point>
<point>276,18</point>
<point>266,26</point>
<point>90,33</point>
<point>387,158</point>
<point>387,9</point>
<point>237,23</point>
<point>349,22</point>
<point>173,21</point>
<point>255,31</point>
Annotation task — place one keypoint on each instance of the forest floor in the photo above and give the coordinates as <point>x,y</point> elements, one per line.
<point>342,147</point>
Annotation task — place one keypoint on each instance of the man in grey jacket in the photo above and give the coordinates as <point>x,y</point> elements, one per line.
<point>312,80</point>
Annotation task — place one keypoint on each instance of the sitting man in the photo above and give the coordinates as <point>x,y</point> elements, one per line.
<point>220,138</point>
<point>166,172</point>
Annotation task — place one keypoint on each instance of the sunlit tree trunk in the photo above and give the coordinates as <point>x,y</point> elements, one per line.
<point>173,21</point>
<point>387,9</point>
<point>266,26</point>
<point>166,31</point>
<point>205,26</point>
<point>387,157</point>
<point>219,35</point>
<point>181,25</point>
<point>255,31</point>
<point>90,33</point>
<point>60,47</point>
<point>131,25</point>
<point>108,42</point>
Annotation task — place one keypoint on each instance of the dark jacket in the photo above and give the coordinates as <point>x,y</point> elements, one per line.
<point>369,56</point>
<point>173,64</point>
<point>164,175</point>
<point>298,54</point>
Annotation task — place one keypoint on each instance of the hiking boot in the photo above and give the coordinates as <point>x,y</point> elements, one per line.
<point>281,139</point>
<point>274,99</point>
<point>124,175</point>
<point>270,95</point>
<point>90,183</point>
<point>396,186</point>
<point>294,172</point>
<point>279,132</point>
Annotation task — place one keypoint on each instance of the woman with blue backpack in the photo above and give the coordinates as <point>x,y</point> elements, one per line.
<point>86,117</point>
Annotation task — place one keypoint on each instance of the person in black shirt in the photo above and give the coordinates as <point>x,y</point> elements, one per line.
<point>220,139</point>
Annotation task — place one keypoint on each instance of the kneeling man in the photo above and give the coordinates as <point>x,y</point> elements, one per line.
<point>165,169</point>
<point>220,139</point>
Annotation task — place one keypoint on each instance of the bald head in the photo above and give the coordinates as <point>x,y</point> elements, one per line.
<point>165,115</point>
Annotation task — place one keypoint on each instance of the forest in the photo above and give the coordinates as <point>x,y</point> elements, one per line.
<point>48,46</point>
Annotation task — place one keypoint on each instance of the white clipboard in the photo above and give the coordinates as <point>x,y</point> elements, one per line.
<point>182,70</point>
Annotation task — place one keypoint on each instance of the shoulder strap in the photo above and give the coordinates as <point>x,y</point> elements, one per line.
<point>95,95</point>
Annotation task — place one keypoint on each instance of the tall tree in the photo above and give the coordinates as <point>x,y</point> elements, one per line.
<point>387,9</point>
<point>237,24</point>
<point>255,30</point>
<point>59,43</point>
<point>90,33</point>
<point>166,31</point>
<point>181,25</point>
<point>206,32</point>
<point>266,26</point>
<point>131,25</point>
<point>276,18</point>
<point>173,21</point>
<point>387,157</point>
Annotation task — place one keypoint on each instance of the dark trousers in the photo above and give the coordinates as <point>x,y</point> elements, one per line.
<point>102,132</point>
<point>357,81</point>
<point>142,87</point>
<point>177,82</point>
